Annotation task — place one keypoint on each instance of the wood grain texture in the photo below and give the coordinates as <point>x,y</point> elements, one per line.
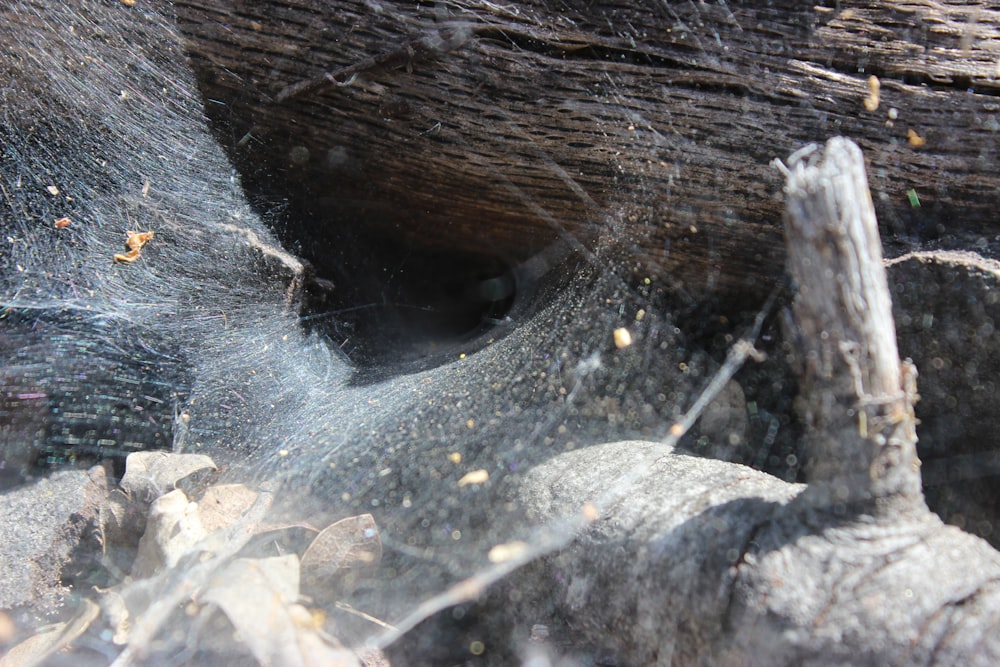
<point>856,396</point>
<point>495,129</point>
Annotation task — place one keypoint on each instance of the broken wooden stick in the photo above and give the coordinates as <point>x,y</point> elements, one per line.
<point>856,398</point>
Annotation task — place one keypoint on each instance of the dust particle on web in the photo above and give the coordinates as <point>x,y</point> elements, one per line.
<point>623,338</point>
<point>62,223</point>
<point>502,553</point>
<point>53,190</point>
<point>871,101</point>
<point>475,477</point>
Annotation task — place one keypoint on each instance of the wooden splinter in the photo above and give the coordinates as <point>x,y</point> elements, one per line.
<point>856,397</point>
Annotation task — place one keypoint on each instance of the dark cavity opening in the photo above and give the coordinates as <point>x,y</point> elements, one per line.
<point>385,302</point>
<point>413,260</point>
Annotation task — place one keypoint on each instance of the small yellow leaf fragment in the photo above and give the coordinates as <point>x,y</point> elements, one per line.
<point>502,553</point>
<point>474,477</point>
<point>135,240</point>
<point>455,457</point>
<point>127,257</point>
<point>622,338</point>
<point>915,139</point>
<point>872,99</point>
<point>128,3</point>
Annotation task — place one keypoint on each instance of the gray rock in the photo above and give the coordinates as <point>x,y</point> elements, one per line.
<point>42,527</point>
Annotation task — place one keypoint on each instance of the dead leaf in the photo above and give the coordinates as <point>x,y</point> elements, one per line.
<point>39,648</point>
<point>140,609</point>
<point>135,240</point>
<point>341,555</point>
<point>258,596</point>
<point>173,528</point>
<point>127,257</point>
<point>149,475</point>
<point>317,649</point>
<point>223,504</point>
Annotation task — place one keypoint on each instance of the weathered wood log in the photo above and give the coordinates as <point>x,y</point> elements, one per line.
<point>493,130</point>
<point>214,264</point>
<point>496,129</point>
<point>702,562</point>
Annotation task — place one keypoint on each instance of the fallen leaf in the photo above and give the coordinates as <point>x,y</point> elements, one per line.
<point>173,528</point>
<point>37,649</point>
<point>141,608</point>
<point>316,649</point>
<point>151,474</point>
<point>341,555</point>
<point>258,596</point>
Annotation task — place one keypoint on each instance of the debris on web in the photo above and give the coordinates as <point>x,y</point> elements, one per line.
<point>207,558</point>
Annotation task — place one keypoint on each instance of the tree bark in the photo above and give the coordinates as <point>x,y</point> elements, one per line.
<point>496,130</point>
